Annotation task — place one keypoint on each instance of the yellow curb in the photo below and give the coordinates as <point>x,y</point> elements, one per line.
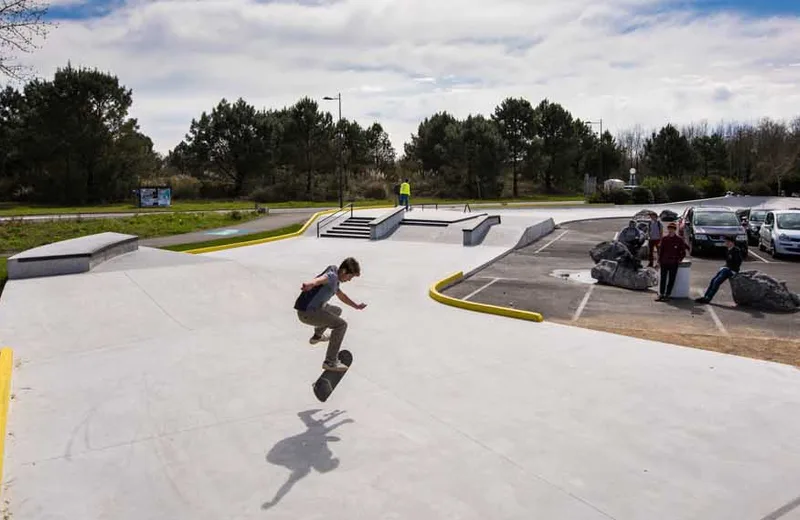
<point>257,241</point>
<point>6,361</point>
<point>508,312</point>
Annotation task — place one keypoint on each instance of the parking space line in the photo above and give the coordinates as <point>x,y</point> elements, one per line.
<point>550,243</point>
<point>714,317</point>
<point>479,289</point>
<point>585,300</point>
<point>759,257</point>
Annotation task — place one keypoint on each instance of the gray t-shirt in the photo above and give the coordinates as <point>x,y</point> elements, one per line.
<point>319,295</point>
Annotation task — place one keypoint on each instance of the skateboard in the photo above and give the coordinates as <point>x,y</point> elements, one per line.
<point>327,382</point>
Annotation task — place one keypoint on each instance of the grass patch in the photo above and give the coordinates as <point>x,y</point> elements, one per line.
<point>237,239</point>
<point>8,209</point>
<point>18,235</point>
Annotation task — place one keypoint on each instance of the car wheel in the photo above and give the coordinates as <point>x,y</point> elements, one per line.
<point>761,245</point>
<point>772,251</point>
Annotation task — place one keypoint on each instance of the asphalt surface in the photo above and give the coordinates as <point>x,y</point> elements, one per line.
<point>530,279</point>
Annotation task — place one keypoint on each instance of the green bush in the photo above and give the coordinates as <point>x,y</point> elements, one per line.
<point>713,186</point>
<point>758,189</point>
<point>642,195</point>
<point>619,197</point>
<point>658,186</point>
<point>679,191</point>
<point>596,198</point>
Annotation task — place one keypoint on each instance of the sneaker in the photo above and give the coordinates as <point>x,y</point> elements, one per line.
<point>702,299</point>
<point>660,298</point>
<point>334,366</point>
<point>316,339</point>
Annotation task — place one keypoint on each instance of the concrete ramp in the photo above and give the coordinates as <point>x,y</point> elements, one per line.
<point>164,389</point>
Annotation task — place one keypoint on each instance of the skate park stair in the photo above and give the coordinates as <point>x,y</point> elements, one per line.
<point>352,227</point>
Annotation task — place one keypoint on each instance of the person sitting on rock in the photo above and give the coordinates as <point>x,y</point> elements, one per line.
<point>733,262</point>
<point>632,237</point>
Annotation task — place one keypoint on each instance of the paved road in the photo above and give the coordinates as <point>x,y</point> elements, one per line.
<point>268,223</point>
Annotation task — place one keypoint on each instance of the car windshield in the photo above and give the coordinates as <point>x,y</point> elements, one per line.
<point>716,218</point>
<point>789,221</point>
<point>757,216</point>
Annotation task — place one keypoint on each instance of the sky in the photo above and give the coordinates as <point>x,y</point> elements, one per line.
<point>627,62</point>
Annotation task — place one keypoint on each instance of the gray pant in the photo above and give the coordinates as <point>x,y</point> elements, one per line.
<point>327,317</point>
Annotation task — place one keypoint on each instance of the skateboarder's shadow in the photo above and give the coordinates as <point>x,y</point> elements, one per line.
<point>306,451</point>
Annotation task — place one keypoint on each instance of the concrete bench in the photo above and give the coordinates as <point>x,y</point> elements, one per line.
<point>475,232</point>
<point>76,255</point>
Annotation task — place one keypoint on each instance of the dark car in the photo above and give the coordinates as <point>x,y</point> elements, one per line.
<point>668,216</point>
<point>754,221</point>
<point>705,228</point>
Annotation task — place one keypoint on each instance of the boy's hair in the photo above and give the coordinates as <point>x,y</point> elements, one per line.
<point>350,266</point>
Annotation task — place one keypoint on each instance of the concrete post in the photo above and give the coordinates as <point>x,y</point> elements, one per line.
<point>683,280</point>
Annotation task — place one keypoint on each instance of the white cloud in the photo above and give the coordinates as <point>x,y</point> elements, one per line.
<point>406,59</point>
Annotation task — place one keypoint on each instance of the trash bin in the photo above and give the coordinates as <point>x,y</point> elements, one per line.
<point>683,281</point>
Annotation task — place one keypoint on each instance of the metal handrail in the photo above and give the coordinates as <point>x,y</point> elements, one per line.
<point>467,207</point>
<point>320,222</point>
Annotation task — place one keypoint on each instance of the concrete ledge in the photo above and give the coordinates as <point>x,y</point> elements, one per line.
<point>6,363</point>
<point>73,256</point>
<point>384,226</point>
<point>476,232</point>
<point>434,292</point>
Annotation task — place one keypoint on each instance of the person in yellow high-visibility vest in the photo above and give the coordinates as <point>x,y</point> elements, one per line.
<point>405,193</point>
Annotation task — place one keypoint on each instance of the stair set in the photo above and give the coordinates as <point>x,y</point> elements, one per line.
<point>352,227</point>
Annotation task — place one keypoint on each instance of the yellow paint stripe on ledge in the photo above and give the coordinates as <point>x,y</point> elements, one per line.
<point>434,293</point>
<point>257,241</point>
<point>6,363</point>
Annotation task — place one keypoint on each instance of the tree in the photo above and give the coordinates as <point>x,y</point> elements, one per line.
<point>308,140</point>
<point>76,142</point>
<point>712,154</point>
<point>485,153</point>
<point>233,143</point>
<point>20,22</point>
<point>515,121</point>
<point>381,152</point>
<point>668,154</point>
<point>558,142</point>
<point>428,146</point>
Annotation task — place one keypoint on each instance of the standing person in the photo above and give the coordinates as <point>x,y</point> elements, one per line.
<point>656,230</point>
<point>396,192</point>
<point>405,193</point>
<point>671,253</point>
<point>733,261</point>
<point>313,308</point>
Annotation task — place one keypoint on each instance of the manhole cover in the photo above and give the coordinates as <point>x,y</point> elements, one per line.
<point>582,276</point>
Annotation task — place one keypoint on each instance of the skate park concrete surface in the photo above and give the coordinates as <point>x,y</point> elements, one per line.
<point>175,385</point>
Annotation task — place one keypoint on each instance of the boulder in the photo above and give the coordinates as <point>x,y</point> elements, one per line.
<point>614,273</point>
<point>617,252</point>
<point>756,289</point>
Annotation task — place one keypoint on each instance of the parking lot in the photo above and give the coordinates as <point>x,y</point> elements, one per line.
<point>552,277</point>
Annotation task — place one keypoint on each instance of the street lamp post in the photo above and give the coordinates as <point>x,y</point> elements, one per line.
<point>341,144</point>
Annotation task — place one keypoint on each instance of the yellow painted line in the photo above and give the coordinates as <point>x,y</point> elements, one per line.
<point>6,363</point>
<point>434,293</point>
<point>257,241</point>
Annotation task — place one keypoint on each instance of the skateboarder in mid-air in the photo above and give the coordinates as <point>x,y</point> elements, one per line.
<point>313,308</point>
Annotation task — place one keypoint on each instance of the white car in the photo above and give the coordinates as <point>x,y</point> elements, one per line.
<point>780,233</point>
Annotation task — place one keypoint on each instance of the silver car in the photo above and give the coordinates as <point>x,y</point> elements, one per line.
<point>780,233</point>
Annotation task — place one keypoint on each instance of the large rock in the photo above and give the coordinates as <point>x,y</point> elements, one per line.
<point>617,252</point>
<point>756,289</point>
<point>617,274</point>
